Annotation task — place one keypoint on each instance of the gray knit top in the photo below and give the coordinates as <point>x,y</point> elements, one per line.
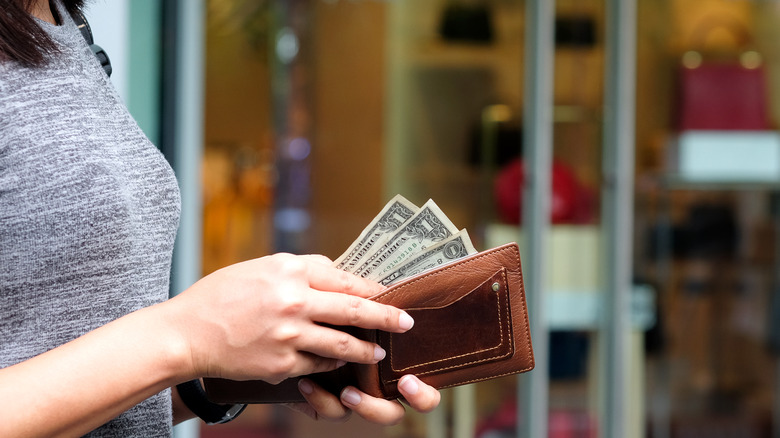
<point>88,213</point>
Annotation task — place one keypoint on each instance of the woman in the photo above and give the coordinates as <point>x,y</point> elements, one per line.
<point>88,214</point>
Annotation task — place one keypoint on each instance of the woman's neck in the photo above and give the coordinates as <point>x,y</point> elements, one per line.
<point>42,9</point>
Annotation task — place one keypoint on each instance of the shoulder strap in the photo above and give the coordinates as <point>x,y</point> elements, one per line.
<point>86,32</point>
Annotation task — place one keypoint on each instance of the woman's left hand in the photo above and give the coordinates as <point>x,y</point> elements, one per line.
<point>324,405</point>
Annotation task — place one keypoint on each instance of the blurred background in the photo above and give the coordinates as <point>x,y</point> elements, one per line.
<point>630,146</point>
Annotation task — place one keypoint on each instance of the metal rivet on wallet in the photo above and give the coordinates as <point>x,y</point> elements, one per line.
<point>496,287</point>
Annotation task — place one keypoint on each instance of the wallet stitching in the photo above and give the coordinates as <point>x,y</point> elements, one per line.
<point>509,373</point>
<point>479,379</point>
<point>516,256</point>
<point>444,306</point>
<point>524,315</point>
<point>500,344</point>
<point>446,268</point>
<point>527,325</point>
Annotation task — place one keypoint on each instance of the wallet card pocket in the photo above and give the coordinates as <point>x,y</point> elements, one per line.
<point>471,329</point>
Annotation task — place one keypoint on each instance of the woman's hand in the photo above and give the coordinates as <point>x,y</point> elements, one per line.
<point>324,405</point>
<point>261,319</point>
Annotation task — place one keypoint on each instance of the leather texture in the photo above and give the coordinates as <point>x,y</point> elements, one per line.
<point>471,324</point>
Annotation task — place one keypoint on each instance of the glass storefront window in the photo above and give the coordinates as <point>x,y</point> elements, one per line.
<point>706,196</point>
<point>425,99</point>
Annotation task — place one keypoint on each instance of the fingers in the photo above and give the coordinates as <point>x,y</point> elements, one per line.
<point>321,259</point>
<point>325,277</point>
<point>300,364</point>
<point>345,310</point>
<point>375,410</point>
<point>323,404</point>
<point>342,298</point>
<point>332,343</point>
<point>303,408</point>
<point>420,396</point>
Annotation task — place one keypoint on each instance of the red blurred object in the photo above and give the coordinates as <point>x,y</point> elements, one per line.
<point>504,419</point>
<point>572,203</point>
<point>722,96</point>
<point>571,424</point>
<point>568,423</point>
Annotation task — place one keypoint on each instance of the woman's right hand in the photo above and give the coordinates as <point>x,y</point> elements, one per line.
<point>261,319</point>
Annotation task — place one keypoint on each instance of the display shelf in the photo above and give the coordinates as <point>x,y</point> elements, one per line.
<point>575,297</point>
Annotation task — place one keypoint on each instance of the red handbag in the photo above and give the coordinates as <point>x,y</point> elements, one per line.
<point>722,96</point>
<point>722,86</point>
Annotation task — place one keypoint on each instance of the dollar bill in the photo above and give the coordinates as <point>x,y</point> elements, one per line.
<point>427,227</point>
<point>454,248</point>
<point>394,214</point>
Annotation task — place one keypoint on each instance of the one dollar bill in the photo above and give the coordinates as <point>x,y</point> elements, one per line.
<point>427,227</point>
<point>454,248</point>
<point>394,214</point>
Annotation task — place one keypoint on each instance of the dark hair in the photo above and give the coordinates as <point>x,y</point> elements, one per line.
<point>21,37</point>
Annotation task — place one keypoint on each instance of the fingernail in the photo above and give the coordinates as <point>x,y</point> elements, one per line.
<point>340,363</point>
<point>405,321</point>
<point>350,397</point>
<point>305,386</point>
<point>379,353</point>
<point>409,385</point>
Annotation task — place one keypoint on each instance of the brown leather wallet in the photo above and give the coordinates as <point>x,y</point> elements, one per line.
<point>471,324</point>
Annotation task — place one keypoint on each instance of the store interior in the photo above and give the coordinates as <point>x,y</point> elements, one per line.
<point>317,112</point>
